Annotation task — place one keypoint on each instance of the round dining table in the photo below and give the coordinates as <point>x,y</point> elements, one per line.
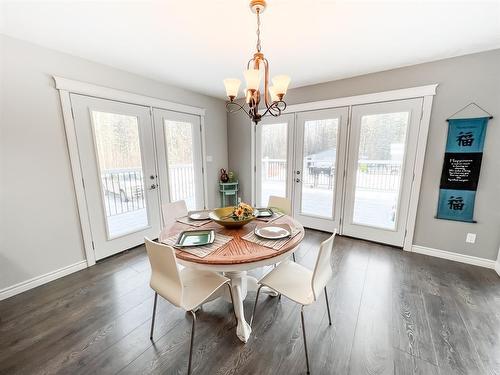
<point>237,257</point>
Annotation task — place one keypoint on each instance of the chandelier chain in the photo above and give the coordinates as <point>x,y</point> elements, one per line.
<point>258,31</point>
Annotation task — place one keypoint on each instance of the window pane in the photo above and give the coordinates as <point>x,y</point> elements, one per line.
<point>179,141</point>
<point>273,161</point>
<point>380,159</point>
<point>318,179</point>
<point>119,155</point>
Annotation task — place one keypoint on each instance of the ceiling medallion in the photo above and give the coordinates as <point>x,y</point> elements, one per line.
<point>257,67</point>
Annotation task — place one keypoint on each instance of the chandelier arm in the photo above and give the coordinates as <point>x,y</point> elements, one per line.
<point>248,63</point>
<point>240,108</point>
<point>274,109</point>
<point>266,82</point>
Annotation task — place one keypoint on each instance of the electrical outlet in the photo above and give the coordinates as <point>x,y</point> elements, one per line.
<point>471,238</point>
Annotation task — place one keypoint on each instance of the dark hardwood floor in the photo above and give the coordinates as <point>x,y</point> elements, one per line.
<point>392,313</point>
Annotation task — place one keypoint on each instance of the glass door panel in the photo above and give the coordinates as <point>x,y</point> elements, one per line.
<point>181,171</point>
<point>272,158</point>
<point>178,138</point>
<point>382,144</point>
<point>320,150</point>
<point>122,182</point>
<point>318,167</point>
<point>382,148</point>
<point>116,147</point>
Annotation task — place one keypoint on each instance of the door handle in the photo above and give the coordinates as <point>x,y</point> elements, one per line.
<point>297,180</point>
<point>152,187</point>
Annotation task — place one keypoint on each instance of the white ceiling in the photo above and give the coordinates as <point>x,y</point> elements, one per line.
<point>195,44</point>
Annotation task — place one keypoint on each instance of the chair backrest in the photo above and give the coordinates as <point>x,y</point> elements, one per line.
<point>165,277</point>
<point>172,211</point>
<point>282,204</point>
<point>323,271</point>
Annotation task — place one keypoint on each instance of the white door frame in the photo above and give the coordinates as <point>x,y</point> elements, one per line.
<point>367,231</point>
<point>159,116</point>
<point>68,86</point>
<point>342,114</point>
<point>290,121</point>
<point>426,92</point>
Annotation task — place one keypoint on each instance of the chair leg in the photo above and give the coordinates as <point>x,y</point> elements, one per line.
<point>232,302</point>
<point>293,257</point>
<point>255,305</point>
<point>192,341</point>
<point>328,307</point>
<point>304,334</point>
<point>153,318</point>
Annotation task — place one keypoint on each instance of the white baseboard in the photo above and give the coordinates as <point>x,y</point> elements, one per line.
<point>42,279</point>
<point>481,262</point>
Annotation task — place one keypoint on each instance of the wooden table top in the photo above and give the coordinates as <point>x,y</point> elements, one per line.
<point>237,251</point>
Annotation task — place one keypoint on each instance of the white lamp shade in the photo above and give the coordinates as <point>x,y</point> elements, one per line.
<point>281,83</point>
<point>274,96</point>
<point>252,77</point>
<point>232,86</point>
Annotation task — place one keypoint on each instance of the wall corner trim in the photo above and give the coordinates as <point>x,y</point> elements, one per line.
<point>497,264</point>
<point>42,279</point>
<point>468,259</point>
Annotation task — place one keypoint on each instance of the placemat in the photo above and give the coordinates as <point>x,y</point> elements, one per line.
<point>273,244</point>
<point>200,251</point>
<point>191,222</point>
<point>275,216</point>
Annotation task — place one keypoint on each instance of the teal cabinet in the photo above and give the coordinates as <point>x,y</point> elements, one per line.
<point>228,193</point>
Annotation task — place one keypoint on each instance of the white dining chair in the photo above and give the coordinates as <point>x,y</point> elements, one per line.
<point>300,284</point>
<point>186,288</point>
<point>172,211</point>
<point>281,203</point>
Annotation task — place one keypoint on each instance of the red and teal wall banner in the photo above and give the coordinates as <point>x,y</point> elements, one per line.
<point>461,168</point>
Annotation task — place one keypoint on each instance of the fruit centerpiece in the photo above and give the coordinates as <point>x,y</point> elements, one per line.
<point>233,217</point>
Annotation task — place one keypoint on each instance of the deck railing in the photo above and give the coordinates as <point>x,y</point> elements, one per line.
<point>181,181</point>
<point>124,188</point>
<point>377,175</point>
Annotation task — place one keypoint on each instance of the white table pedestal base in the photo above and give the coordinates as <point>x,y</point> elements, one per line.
<point>239,288</point>
<point>240,284</point>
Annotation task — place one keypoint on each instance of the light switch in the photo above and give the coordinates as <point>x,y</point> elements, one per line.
<point>471,238</point>
<point>210,159</point>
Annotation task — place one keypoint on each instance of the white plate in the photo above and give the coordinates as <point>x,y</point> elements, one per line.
<point>198,215</point>
<point>273,232</point>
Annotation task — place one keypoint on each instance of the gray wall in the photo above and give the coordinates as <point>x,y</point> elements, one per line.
<point>461,80</point>
<point>39,226</point>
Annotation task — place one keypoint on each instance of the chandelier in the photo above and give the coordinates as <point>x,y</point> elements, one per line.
<point>257,67</point>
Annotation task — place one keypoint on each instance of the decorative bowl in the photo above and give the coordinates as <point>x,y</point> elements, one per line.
<point>222,216</point>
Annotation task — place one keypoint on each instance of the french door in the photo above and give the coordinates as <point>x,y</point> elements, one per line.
<point>178,140</point>
<point>273,158</point>
<point>349,169</point>
<point>381,157</point>
<point>117,156</point>
<point>320,141</point>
